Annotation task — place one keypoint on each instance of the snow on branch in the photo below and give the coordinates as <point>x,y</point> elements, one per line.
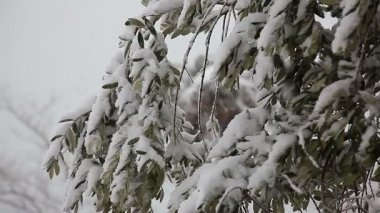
<point>310,133</point>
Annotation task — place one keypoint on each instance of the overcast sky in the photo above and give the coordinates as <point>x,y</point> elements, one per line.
<point>59,47</point>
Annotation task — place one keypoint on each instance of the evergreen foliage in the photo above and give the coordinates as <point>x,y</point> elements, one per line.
<point>312,139</point>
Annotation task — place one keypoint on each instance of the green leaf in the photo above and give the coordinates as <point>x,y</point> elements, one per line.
<point>55,137</point>
<point>319,11</point>
<point>133,141</point>
<point>140,152</point>
<point>176,81</point>
<point>160,195</point>
<point>327,2</point>
<point>160,105</point>
<point>137,85</point>
<point>367,97</point>
<point>51,172</point>
<point>135,22</point>
<point>150,27</point>
<point>65,120</point>
<point>140,39</point>
<point>273,100</point>
<point>72,139</point>
<point>318,84</point>
<point>75,207</point>
<point>198,7</point>
<point>349,179</point>
<point>376,175</point>
<point>376,88</point>
<point>266,3</point>
<point>277,61</point>
<point>169,29</point>
<point>317,195</point>
<point>145,2</point>
<point>176,33</point>
<point>280,74</point>
<point>110,85</point>
<point>268,83</point>
<point>160,54</point>
<point>137,59</point>
<point>175,70</point>
<point>278,205</point>
<point>56,168</point>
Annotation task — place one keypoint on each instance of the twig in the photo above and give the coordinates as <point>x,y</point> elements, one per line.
<point>225,195</point>
<point>255,200</point>
<point>312,199</point>
<point>184,66</point>
<point>208,39</point>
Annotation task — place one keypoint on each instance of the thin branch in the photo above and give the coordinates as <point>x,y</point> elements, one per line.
<point>297,205</point>
<point>225,195</point>
<point>214,106</point>
<point>312,199</point>
<point>185,58</point>
<point>26,120</point>
<point>259,203</point>
<point>207,43</point>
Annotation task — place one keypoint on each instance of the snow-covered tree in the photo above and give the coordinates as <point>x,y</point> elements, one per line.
<point>312,138</point>
<point>23,188</point>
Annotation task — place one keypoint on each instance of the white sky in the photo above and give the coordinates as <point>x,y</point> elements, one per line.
<point>58,47</point>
